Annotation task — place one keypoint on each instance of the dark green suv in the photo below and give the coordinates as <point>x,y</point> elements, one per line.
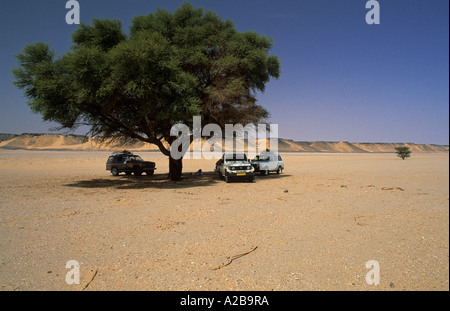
<point>129,163</point>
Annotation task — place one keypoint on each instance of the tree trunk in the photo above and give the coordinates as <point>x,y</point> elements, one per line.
<point>175,169</point>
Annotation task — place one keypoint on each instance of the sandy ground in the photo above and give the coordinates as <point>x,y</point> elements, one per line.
<point>147,233</point>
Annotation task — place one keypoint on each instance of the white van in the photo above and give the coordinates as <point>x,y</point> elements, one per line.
<point>267,162</point>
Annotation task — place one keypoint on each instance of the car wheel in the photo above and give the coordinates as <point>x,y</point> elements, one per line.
<point>265,172</point>
<point>150,173</point>
<point>137,171</point>
<point>252,179</point>
<point>279,170</point>
<point>114,171</point>
<point>227,179</point>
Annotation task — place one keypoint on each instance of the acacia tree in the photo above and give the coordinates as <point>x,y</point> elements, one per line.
<point>403,152</point>
<point>136,86</point>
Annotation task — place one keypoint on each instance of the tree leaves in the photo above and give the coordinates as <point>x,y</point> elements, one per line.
<point>169,68</point>
<point>104,34</point>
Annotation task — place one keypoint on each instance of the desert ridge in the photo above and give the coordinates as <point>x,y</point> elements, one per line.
<point>84,143</point>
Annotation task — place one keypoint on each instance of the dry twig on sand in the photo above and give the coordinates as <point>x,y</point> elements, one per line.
<point>92,278</point>
<point>230,260</point>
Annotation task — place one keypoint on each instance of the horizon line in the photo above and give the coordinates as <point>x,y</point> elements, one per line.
<point>287,139</point>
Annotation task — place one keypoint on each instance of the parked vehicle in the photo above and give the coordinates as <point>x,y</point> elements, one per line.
<point>267,162</point>
<point>129,163</point>
<point>235,166</point>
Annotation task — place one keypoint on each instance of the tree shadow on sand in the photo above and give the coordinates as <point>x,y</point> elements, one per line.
<point>159,181</point>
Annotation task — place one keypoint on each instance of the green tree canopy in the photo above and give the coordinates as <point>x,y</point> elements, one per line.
<point>170,67</point>
<point>403,152</point>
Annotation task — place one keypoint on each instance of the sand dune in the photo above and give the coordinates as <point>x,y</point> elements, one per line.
<point>390,147</point>
<point>336,147</point>
<point>82,143</point>
<point>65,142</point>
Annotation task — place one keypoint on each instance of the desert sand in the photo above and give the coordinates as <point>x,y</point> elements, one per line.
<point>314,227</point>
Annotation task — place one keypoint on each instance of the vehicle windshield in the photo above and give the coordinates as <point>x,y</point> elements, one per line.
<point>236,157</point>
<point>261,158</point>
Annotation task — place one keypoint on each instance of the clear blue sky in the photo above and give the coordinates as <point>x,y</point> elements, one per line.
<point>341,79</point>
